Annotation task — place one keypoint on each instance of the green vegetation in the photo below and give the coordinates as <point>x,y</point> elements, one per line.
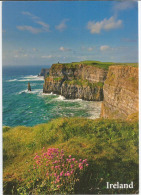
<point>98,64</point>
<point>57,78</point>
<point>84,83</point>
<point>110,147</point>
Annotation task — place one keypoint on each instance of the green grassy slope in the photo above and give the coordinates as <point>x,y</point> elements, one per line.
<point>98,64</point>
<point>110,146</point>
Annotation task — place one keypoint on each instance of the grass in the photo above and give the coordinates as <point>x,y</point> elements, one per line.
<point>98,64</point>
<point>84,83</point>
<point>57,78</point>
<point>111,147</point>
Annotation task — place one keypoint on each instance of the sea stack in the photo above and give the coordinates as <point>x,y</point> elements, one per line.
<point>29,87</point>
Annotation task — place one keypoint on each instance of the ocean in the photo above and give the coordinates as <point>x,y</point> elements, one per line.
<point>21,107</point>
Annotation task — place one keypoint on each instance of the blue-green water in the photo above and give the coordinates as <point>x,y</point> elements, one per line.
<point>21,107</point>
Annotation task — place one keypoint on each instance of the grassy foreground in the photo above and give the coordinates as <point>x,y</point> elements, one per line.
<point>110,147</point>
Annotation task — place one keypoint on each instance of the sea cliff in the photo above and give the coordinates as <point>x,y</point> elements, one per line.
<point>44,72</point>
<point>120,92</point>
<point>114,84</point>
<point>76,80</point>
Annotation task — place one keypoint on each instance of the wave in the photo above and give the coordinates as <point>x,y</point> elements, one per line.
<point>60,98</point>
<point>12,80</point>
<point>31,78</point>
<point>28,78</point>
<point>47,94</point>
<point>36,91</point>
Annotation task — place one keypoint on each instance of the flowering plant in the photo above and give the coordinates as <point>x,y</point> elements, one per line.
<point>53,172</point>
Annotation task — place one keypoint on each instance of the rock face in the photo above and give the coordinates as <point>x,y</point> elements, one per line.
<point>44,72</point>
<point>77,81</point>
<point>120,92</point>
<point>29,87</point>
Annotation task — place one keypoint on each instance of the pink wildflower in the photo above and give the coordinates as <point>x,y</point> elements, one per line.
<point>72,166</point>
<point>61,174</point>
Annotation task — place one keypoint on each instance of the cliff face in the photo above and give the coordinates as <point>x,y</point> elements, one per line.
<point>44,72</point>
<point>120,92</point>
<point>79,81</point>
<point>80,71</point>
<point>82,92</point>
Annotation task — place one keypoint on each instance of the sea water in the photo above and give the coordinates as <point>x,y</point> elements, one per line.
<point>21,107</point>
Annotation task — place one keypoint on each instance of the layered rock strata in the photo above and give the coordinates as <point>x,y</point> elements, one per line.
<point>79,81</point>
<point>120,92</point>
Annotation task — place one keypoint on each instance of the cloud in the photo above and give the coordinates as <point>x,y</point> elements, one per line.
<point>104,48</point>
<point>16,56</point>
<point>124,5</point>
<point>34,49</point>
<point>90,49</point>
<point>84,48</point>
<point>49,56</point>
<point>128,40</point>
<point>106,24</point>
<point>29,29</point>
<point>44,26</point>
<point>31,15</point>
<point>62,26</point>
<point>64,49</point>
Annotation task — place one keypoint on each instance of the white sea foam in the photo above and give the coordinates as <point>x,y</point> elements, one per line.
<point>23,91</point>
<point>36,91</point>
<point>60,98</point>
<point>47,94</point>
<point>28,78</point>
<point>12,80</point>
<point>31,78</point>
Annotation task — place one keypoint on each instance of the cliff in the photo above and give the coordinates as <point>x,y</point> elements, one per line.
<point>44,72</point>
<point>76,80</point>
<point>120,92</point>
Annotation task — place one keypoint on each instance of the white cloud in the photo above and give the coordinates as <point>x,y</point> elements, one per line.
<point>16,56</point>
<point>106,24</point>
<point>29,29</point>
<point>124,5</point>
<point>62,26</point>
<point>90,49</point>
<point>49,56</point>
<point>44,26</point>
<point>84,48</point>
<point>34,49</point>
<point>64,49</point>
<point>31,15</point>
<point>104,48</point>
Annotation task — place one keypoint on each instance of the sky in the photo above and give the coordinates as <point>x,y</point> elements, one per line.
<point>45,32</point>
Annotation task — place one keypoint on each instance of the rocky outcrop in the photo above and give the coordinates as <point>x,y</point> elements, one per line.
<point>79,71</point>
<point>44,72</point>
<point>85,92</point>
<point>120,92</point>
<point>76,81</point>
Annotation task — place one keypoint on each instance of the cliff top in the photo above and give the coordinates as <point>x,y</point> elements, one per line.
<point>98,64</point>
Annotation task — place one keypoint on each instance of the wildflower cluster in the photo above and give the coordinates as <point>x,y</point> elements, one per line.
<point>57,172</point>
